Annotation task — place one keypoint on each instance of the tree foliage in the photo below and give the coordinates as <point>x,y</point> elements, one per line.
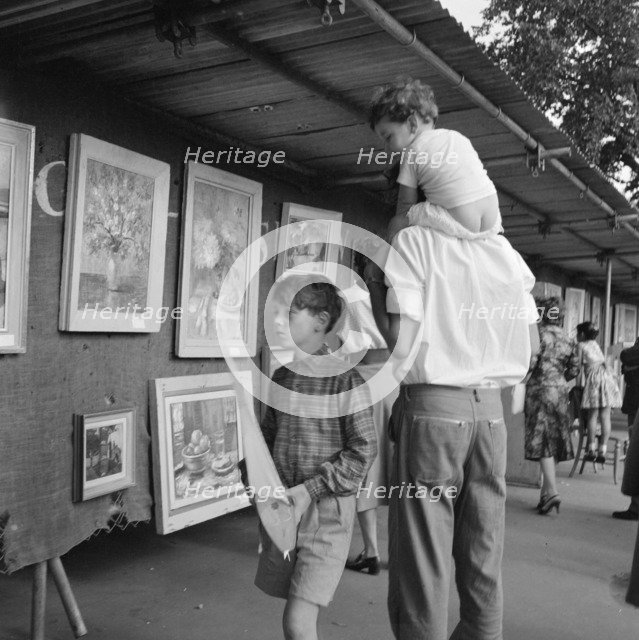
<point>579,62</point>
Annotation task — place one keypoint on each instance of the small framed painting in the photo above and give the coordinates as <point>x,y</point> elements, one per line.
<point>574,310</point>
<point>625,323</point>
<point>114,239</point>
<point>222,216</point>
<point>309,239</point>
<point>104,453</point>
<point>196,435</point>
<point>16,177</point>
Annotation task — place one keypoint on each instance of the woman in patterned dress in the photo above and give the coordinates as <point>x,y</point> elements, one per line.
<point>547,415</point>
<point>600,393</point>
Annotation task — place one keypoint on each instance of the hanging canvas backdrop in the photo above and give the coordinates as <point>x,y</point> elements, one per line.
<point>196,433</point>
<point>104,453</point>
<point>313,244</point>
<point>222,216</point>
<point>114,239</point>
<point>16,177</point>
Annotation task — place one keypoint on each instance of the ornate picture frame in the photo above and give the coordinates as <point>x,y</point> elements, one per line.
<point>17,142</point>
<point>104,453</point>
<point>114,239</point>
<point>196,435</point>
<point>221,217</point>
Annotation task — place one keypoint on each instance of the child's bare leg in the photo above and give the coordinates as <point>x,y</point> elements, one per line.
<point>604,418</point>
<point>300,619</point>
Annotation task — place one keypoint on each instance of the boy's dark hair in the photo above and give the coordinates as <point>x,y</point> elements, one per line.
<point>306,292</point>
<point>588,329</point>
<point>401,99</point>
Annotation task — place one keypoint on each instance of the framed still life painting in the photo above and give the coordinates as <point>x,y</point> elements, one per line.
<point>114,239</point>
<point>104,453</point>
<point>222,216</point>
<point>196,434</point>
<point>16,177</point>
<point>312,245</point>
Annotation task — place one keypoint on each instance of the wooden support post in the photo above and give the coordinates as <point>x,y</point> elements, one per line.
<point>38,600</point>
<point>67,597</point>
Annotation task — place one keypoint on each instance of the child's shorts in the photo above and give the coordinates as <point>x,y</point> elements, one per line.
<point>314,568</point>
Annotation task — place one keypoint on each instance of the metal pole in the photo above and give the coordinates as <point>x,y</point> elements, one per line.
<point>606,334</point>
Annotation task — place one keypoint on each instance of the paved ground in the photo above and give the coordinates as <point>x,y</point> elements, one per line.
<point>565,578</point>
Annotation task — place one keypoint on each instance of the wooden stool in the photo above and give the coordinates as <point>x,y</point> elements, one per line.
<point>39,597</point>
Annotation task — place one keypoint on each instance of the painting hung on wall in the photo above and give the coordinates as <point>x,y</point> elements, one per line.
<point>197,443</point>
<point>16,177</point>
<point>595,313</point>
<point>222,216</point>
<point>546,290</point>
<point>574,310</point>
<point>104,446</point>
<point>625,323</point>
<point>114,239</point>
<point>313,244</point>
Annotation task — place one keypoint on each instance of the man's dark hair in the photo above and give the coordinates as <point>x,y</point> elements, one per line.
<point>306,292</point>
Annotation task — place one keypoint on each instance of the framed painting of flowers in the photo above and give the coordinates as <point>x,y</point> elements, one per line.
<point>114,239</point>
<point>221,217</point>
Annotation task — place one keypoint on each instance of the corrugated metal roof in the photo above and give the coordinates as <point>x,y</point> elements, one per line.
<point>215,85</point>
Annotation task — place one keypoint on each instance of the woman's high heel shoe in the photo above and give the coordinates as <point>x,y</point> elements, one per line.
<point>362,563</point>
<point>549,504</point>
<point>542,498</point>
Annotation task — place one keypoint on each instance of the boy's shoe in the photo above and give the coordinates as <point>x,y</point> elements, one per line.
<point>361,563</point>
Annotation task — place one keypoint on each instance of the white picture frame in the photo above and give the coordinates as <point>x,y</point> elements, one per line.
<point>17,143</point>
<point>104,453</point>
<point>574,302</point>
<point>221,217</point>
<point>114,239</point>
<point>192,486</point>
<point>312,245</point>
<point>625,323</point>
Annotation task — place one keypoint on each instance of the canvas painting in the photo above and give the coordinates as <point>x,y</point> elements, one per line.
<point>197,444</point>
<point>16,178</point>
<point>309,240</point>
<point>574,310</point>
<point>115,234</point>
<point>222,217</point>
<point>546,290</point>
<point>625,323</point>
<point>104,453</point>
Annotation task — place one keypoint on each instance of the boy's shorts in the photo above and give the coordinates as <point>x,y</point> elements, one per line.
<point>314,568</point>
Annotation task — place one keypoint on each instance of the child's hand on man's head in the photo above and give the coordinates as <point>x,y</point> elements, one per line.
<point>301,499</point>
